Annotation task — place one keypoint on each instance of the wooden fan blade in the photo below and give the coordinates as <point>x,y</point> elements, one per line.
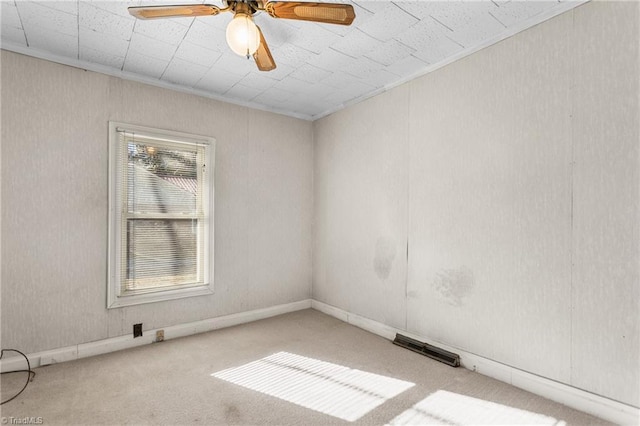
<point>182,10</point>
<point>263,57</point>
<point>330,13</point>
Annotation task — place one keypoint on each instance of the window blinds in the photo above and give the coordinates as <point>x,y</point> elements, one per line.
<point>163,213</point>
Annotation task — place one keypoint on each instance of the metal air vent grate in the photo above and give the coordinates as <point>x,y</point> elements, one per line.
<point>426,349</point>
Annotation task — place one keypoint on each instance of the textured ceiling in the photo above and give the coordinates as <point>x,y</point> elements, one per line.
<point>320,67</point>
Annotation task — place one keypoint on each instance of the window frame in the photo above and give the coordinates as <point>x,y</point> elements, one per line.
<point>115,299</point>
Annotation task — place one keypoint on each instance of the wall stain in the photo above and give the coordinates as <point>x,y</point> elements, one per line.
<point>385,253</point>
<point>454,284</point>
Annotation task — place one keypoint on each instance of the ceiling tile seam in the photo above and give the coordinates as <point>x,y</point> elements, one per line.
<point>413,50</point>
<point>164,70</point>
<point>124,61</point>
<point>455,41</point>
<point>341,53</point>
<point>237,83</point>
<point>377,62</point>
<point>405,10</point>
<point>422,60</point>
<point>295,57</point>
<point>133,29</point>
<point>360,5</point>
<point>45,4</point>
<point>97,6</point>
<point>192,63</point>
<point>363,81</point>
<point>306,50</point>
<point>346,54</point>
<point>57,29</point>
<point>400,75</point>
<point>373,37</point>
<point>168,63</point>
<point>221,59</point>
<point>251,98</point>
<point>24,32</point>
<point>405,45</point>
<point>441,23</point>
<point>194,85</point>
<point>499,21</point>
<point>176,50</point>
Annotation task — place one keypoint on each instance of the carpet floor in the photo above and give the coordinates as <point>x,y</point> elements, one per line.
<point>302,368</point>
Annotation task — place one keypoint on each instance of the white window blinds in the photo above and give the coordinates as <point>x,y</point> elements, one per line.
<point>162,192</point>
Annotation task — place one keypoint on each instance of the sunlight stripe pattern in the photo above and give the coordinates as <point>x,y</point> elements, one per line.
<point>328,388</point>
<point>443,407</point>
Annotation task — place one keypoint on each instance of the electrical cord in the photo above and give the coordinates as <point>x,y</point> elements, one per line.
<point>30,376</point>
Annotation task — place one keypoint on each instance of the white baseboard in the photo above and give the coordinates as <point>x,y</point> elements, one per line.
<point>587,402</point>
<point>113,344</point>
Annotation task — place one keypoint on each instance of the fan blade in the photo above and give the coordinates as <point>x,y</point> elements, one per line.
<point>263,57</point>
<point>152,12</point>
<point>330,13</point>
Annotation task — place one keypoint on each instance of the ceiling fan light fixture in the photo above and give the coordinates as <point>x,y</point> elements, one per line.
<point>243,36</point>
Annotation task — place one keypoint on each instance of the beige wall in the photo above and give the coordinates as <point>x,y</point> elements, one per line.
<point>493,205</point>
<point>54,204</point>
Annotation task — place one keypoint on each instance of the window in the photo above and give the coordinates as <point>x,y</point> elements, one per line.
<point>160,215</point>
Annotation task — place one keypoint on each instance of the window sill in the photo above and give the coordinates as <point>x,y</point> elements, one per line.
<point>161,296</point>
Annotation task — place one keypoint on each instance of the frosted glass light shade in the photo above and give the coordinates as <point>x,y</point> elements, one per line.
<point>242,35</point>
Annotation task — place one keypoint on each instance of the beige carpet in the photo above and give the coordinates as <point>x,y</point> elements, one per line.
<point>303,368</point>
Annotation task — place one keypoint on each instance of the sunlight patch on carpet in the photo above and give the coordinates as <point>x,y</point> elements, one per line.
<point>444,407</point>
<point>329,388</point>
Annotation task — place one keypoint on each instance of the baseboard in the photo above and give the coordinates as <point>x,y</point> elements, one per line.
<point>579,399</point>
<point>113,344</point>
<point>596,405</point>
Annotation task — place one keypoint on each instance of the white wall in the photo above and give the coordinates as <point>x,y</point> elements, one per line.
<point>54,204</point>
<point>493,204</point>
<point>360,181</point>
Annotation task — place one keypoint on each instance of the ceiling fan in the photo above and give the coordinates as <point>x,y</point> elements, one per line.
<point>243,35</point>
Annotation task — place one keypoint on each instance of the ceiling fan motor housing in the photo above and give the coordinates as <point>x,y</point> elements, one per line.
<point>248,7</point>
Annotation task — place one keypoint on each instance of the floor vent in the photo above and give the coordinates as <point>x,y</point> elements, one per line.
<point>426,349</point>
